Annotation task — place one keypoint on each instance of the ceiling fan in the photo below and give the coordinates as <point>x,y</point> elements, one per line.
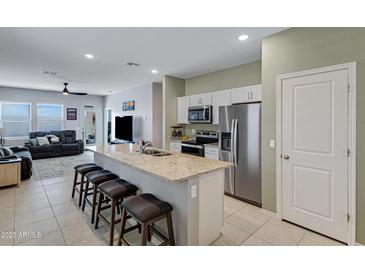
<point>66,92</point>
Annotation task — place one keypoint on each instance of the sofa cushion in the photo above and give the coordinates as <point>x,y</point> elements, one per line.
<point>70,146</point>
<point>68,136</point>
<point>36,134</point>
<point>41,149</point>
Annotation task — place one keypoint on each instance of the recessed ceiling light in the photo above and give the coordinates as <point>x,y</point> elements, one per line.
<point>243,37</point>
<point>154,71</point>
<point>89,56</point>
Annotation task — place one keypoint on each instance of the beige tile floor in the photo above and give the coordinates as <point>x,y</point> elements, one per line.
<point>43,213</point>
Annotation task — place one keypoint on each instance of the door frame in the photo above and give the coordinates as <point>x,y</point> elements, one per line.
<point>351,239</point>
<point>106,125</point>
<point>99,120</point>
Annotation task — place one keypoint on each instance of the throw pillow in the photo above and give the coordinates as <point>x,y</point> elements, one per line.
<point>55,140</point>
<point>7,151</point>
<point>42,141</point>
<point>34,142</point>
<point>2,153</point>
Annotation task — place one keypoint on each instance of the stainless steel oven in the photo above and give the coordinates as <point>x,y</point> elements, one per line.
<point>197,150</point>
<point>200,115</point>
<point>196,147</point>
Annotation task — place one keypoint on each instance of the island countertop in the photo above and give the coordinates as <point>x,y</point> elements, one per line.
<point>173,168</point>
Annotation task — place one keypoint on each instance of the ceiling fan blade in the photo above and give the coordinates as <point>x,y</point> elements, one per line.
<point>78,93</point>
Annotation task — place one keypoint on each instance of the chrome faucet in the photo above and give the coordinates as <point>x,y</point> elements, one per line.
<point>143,147</point>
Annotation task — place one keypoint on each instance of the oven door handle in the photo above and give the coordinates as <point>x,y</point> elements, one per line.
<point>193,146</point>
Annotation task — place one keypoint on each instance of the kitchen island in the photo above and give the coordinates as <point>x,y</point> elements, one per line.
<point>194,186</point>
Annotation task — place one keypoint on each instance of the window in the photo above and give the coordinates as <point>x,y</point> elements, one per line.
<point>15,118</point>
<point>49,117</point>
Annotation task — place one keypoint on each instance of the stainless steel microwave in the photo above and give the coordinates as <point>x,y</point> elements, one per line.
<point>200,115</point>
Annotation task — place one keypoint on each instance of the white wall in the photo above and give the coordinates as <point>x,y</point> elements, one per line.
<point>143,97</point>
<point>37,96</point>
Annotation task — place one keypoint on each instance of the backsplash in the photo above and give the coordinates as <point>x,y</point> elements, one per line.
<point>189,128</point>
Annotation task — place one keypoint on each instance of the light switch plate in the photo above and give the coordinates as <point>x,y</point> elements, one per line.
<point>272,143</point>
<point>193,191</point>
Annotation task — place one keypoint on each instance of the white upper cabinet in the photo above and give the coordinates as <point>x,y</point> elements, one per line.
<point>200,99</point>
<point>256,93</point>
<point>182,109</point>
<point>220,98</point>
<point>246,94</point>
<point>240,95</point>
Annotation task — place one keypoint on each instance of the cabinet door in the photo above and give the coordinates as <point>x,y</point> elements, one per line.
<point>220,98</point>
<point>182,109</point>
<point>256,92</point>
<point>201,99</point>
<point>240,95</point>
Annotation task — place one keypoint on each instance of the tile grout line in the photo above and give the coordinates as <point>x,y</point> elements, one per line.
<point>252,234</point>
<point>59,227</point>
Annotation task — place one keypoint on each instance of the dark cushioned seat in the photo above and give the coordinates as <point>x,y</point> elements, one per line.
<point>100,176</point>
<point>68,145</point>
<point>118,188</point>
<point>86,168</point>
<point>146,207</point>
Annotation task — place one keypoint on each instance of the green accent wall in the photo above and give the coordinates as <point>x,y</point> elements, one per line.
<point>306,48</point>
<point>172,88</point>
<point>243,75</point>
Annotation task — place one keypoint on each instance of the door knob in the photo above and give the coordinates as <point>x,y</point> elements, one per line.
<point>285,157</point>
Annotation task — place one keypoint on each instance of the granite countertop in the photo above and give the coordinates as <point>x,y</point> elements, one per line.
<point>214,145</point>
<point>173,168</point>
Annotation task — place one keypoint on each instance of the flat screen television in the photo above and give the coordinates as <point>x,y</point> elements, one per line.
<point>124,128</point>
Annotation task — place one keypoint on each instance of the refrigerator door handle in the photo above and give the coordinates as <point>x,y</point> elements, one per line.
<point>235,142</point>
<point>232,141</point>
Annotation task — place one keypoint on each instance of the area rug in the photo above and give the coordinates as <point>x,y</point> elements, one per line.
<point>60,166</point>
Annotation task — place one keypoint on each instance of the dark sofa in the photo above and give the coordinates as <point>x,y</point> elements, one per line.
<point>68,145</point>
<point>19,152</point>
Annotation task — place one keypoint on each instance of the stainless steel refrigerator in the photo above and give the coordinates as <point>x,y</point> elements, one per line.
<point>240,144</point>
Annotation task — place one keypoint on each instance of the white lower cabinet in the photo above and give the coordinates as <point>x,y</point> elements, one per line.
<point>175,146</point>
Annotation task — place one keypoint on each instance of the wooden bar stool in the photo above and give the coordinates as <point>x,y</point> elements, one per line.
<point>82,169</point>
<point>114,190</point>
<point>95,178</point>
<point>146,209</point>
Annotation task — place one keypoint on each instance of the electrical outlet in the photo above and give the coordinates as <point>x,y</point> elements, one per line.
<point>272,144</point>
<point>193,191</point>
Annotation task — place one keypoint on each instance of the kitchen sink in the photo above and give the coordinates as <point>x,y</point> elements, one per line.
<point>156,152</point>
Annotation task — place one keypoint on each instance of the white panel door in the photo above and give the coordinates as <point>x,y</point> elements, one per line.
<point>314,152</point>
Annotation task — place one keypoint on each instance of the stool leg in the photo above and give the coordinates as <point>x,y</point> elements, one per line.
<point>112,222</point>
<point>122,227</point>
<point>82,182</point>
<point>170,229</point>
<point>74,185</point>
<point>144,234</point>
<point>101,196</point>
<point>85,195</point>
<point>94,202</point>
